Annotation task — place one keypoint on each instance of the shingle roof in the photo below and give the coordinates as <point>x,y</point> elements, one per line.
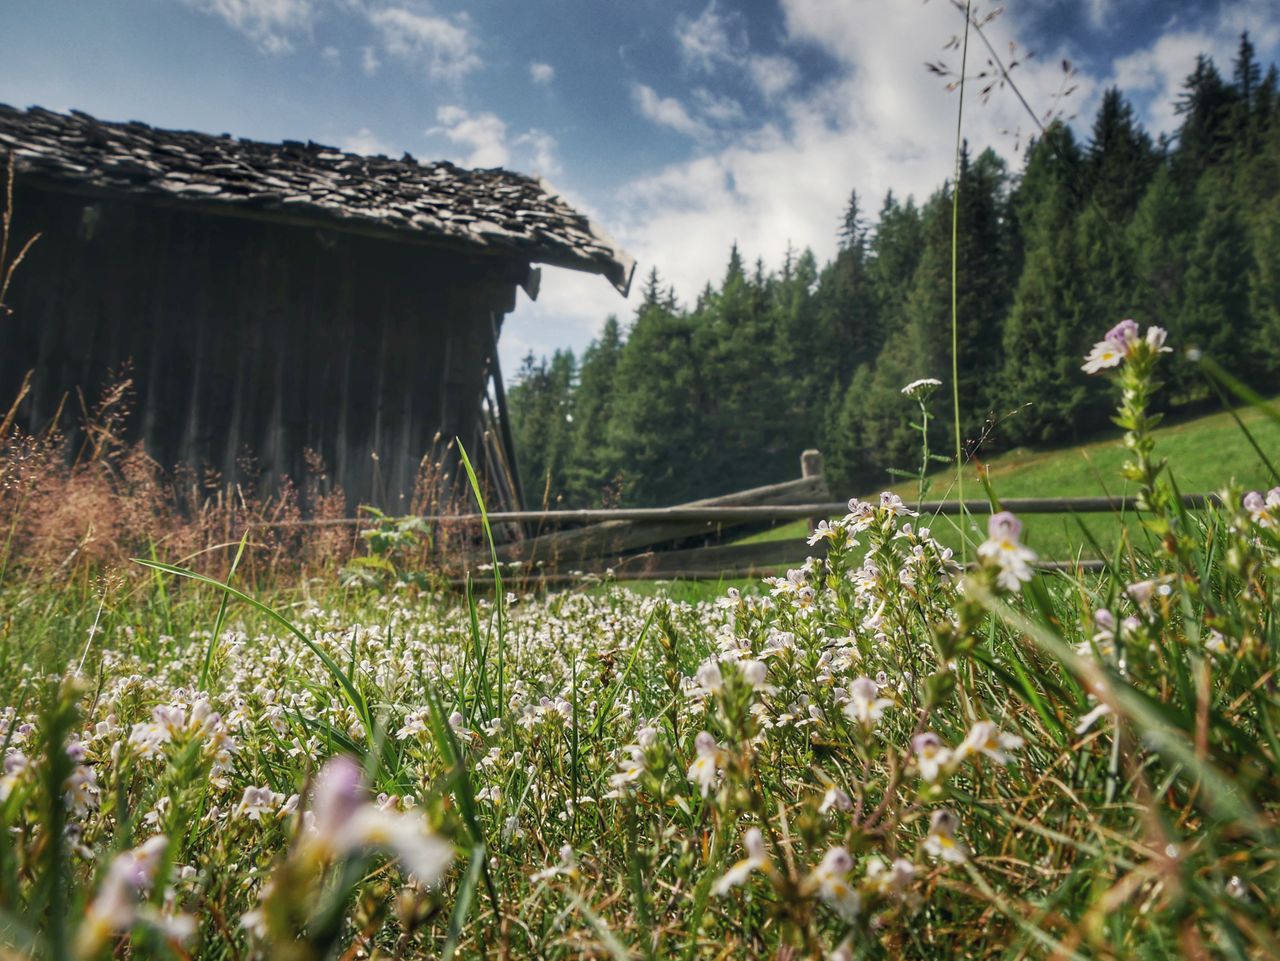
<point>484,210</point>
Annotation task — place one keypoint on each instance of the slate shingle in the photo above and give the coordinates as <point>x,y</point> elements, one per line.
<point>491,210</point>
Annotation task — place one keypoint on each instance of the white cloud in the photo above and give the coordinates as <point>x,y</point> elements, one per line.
<point>717,108</point>
<point>365,142</point>
<point>665,111</point>
<point>331,56</point>
<point>1154,75</point>
<point>710,38</point>
<point>271,24</point>
<point>484,141</point>
<point>715,39</point>
<point>482,135</point>
<point>444,48</point>
<point>541,73</point>
<point>1099,10</point>
<point>880,122</point>
<point>369,61</point>
<point>772,75</point>
<point>541,149</point>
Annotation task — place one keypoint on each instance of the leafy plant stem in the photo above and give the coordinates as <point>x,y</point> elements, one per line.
<point>955,270</point>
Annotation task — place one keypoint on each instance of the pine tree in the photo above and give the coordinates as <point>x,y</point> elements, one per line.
<point>848,331</point>
<point>1160,237</point>
<point>655,428</point>
<point>541,407</point>
<point>850,466</point>
<point>983,288</point>
<point>1246,75</point>
<point>1207,105</point>
<point>1120,161</point>
<point>895,254</point>
<point>1215,315</point>
<point>797,349</point>
<point>1051,322</point>
<point>1264,287</point>
<point>853,231</point>
<point>592,464</point>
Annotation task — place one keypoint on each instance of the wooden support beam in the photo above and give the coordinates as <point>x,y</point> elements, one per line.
<point>711,515</point>
<point>620,534</point>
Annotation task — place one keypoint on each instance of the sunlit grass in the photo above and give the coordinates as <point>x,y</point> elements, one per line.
<point>1206,452</point>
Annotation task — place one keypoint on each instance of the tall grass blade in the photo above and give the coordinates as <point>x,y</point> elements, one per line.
<point>349,691</point>
<point>460,778</point>
<point>1150,717</point>
<point>499,597</point>
<point>955,283</point>
<point>221,619</point>
<point>462,906</point>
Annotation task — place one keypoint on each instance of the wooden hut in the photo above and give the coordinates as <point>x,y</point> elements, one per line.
<point>274,299</point>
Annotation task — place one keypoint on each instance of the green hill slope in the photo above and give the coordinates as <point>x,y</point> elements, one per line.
<point>1204,454</point>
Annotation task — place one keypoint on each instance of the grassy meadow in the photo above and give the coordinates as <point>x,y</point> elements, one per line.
<point>1205,452</point>
<point>228,737</point>
<point>882,754</point>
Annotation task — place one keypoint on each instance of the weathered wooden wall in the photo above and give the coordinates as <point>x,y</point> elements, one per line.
<point>254,338</point>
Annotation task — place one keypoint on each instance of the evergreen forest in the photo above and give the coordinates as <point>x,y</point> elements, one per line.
<point>694,400</point>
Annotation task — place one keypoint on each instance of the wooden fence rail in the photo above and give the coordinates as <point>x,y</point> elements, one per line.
<point>767,512</point>
<point>688,540</point>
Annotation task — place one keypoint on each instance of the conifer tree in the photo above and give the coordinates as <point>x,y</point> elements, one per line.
<point>1045,396</point>
<point>1120,161</point>
<point>1207,105</point>
<point>1264,287</point>
<point>983,288</point>
<point>1246,75</point>
<point>655,429</point>
<point>1160,237</point>
<point>848,325</point>
<point>1215,315</point>
<point>851,466</point>
<point>802,388</point>
<point>541,406</point>
<point>895,254</point>
<point>592,464</point>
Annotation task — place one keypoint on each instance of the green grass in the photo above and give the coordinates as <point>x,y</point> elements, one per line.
<point>680,590</point>
<point>1207,452</point>
<point>1022,747</point>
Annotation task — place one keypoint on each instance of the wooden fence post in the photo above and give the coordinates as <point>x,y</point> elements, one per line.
<point>811,466</point>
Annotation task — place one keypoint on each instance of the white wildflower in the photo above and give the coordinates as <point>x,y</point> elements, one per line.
<point>757,859</point>
<point>986,738</point>
<point>941,841</point>
<point>835,799</point>
<point>889,879</point>
<point>1088,720</point>
<point>566,867</point>
<point>932,756</point>
<point>257,801</point>
<point>922,387</point>
<point>709,677</point>
<point>865,705</point>
<point>891,505</point>
<point>825,531</point>
<point>1003,548</point>
<point>405,835</point>
<point>1264,511</point>
<point>831,881</point>
<point>114,908</point>
<point>706,766</point>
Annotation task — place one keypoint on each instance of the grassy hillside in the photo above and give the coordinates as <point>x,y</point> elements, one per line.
<point>1204,453</point>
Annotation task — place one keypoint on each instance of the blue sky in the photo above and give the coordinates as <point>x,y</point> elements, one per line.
<point>680,125</point>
